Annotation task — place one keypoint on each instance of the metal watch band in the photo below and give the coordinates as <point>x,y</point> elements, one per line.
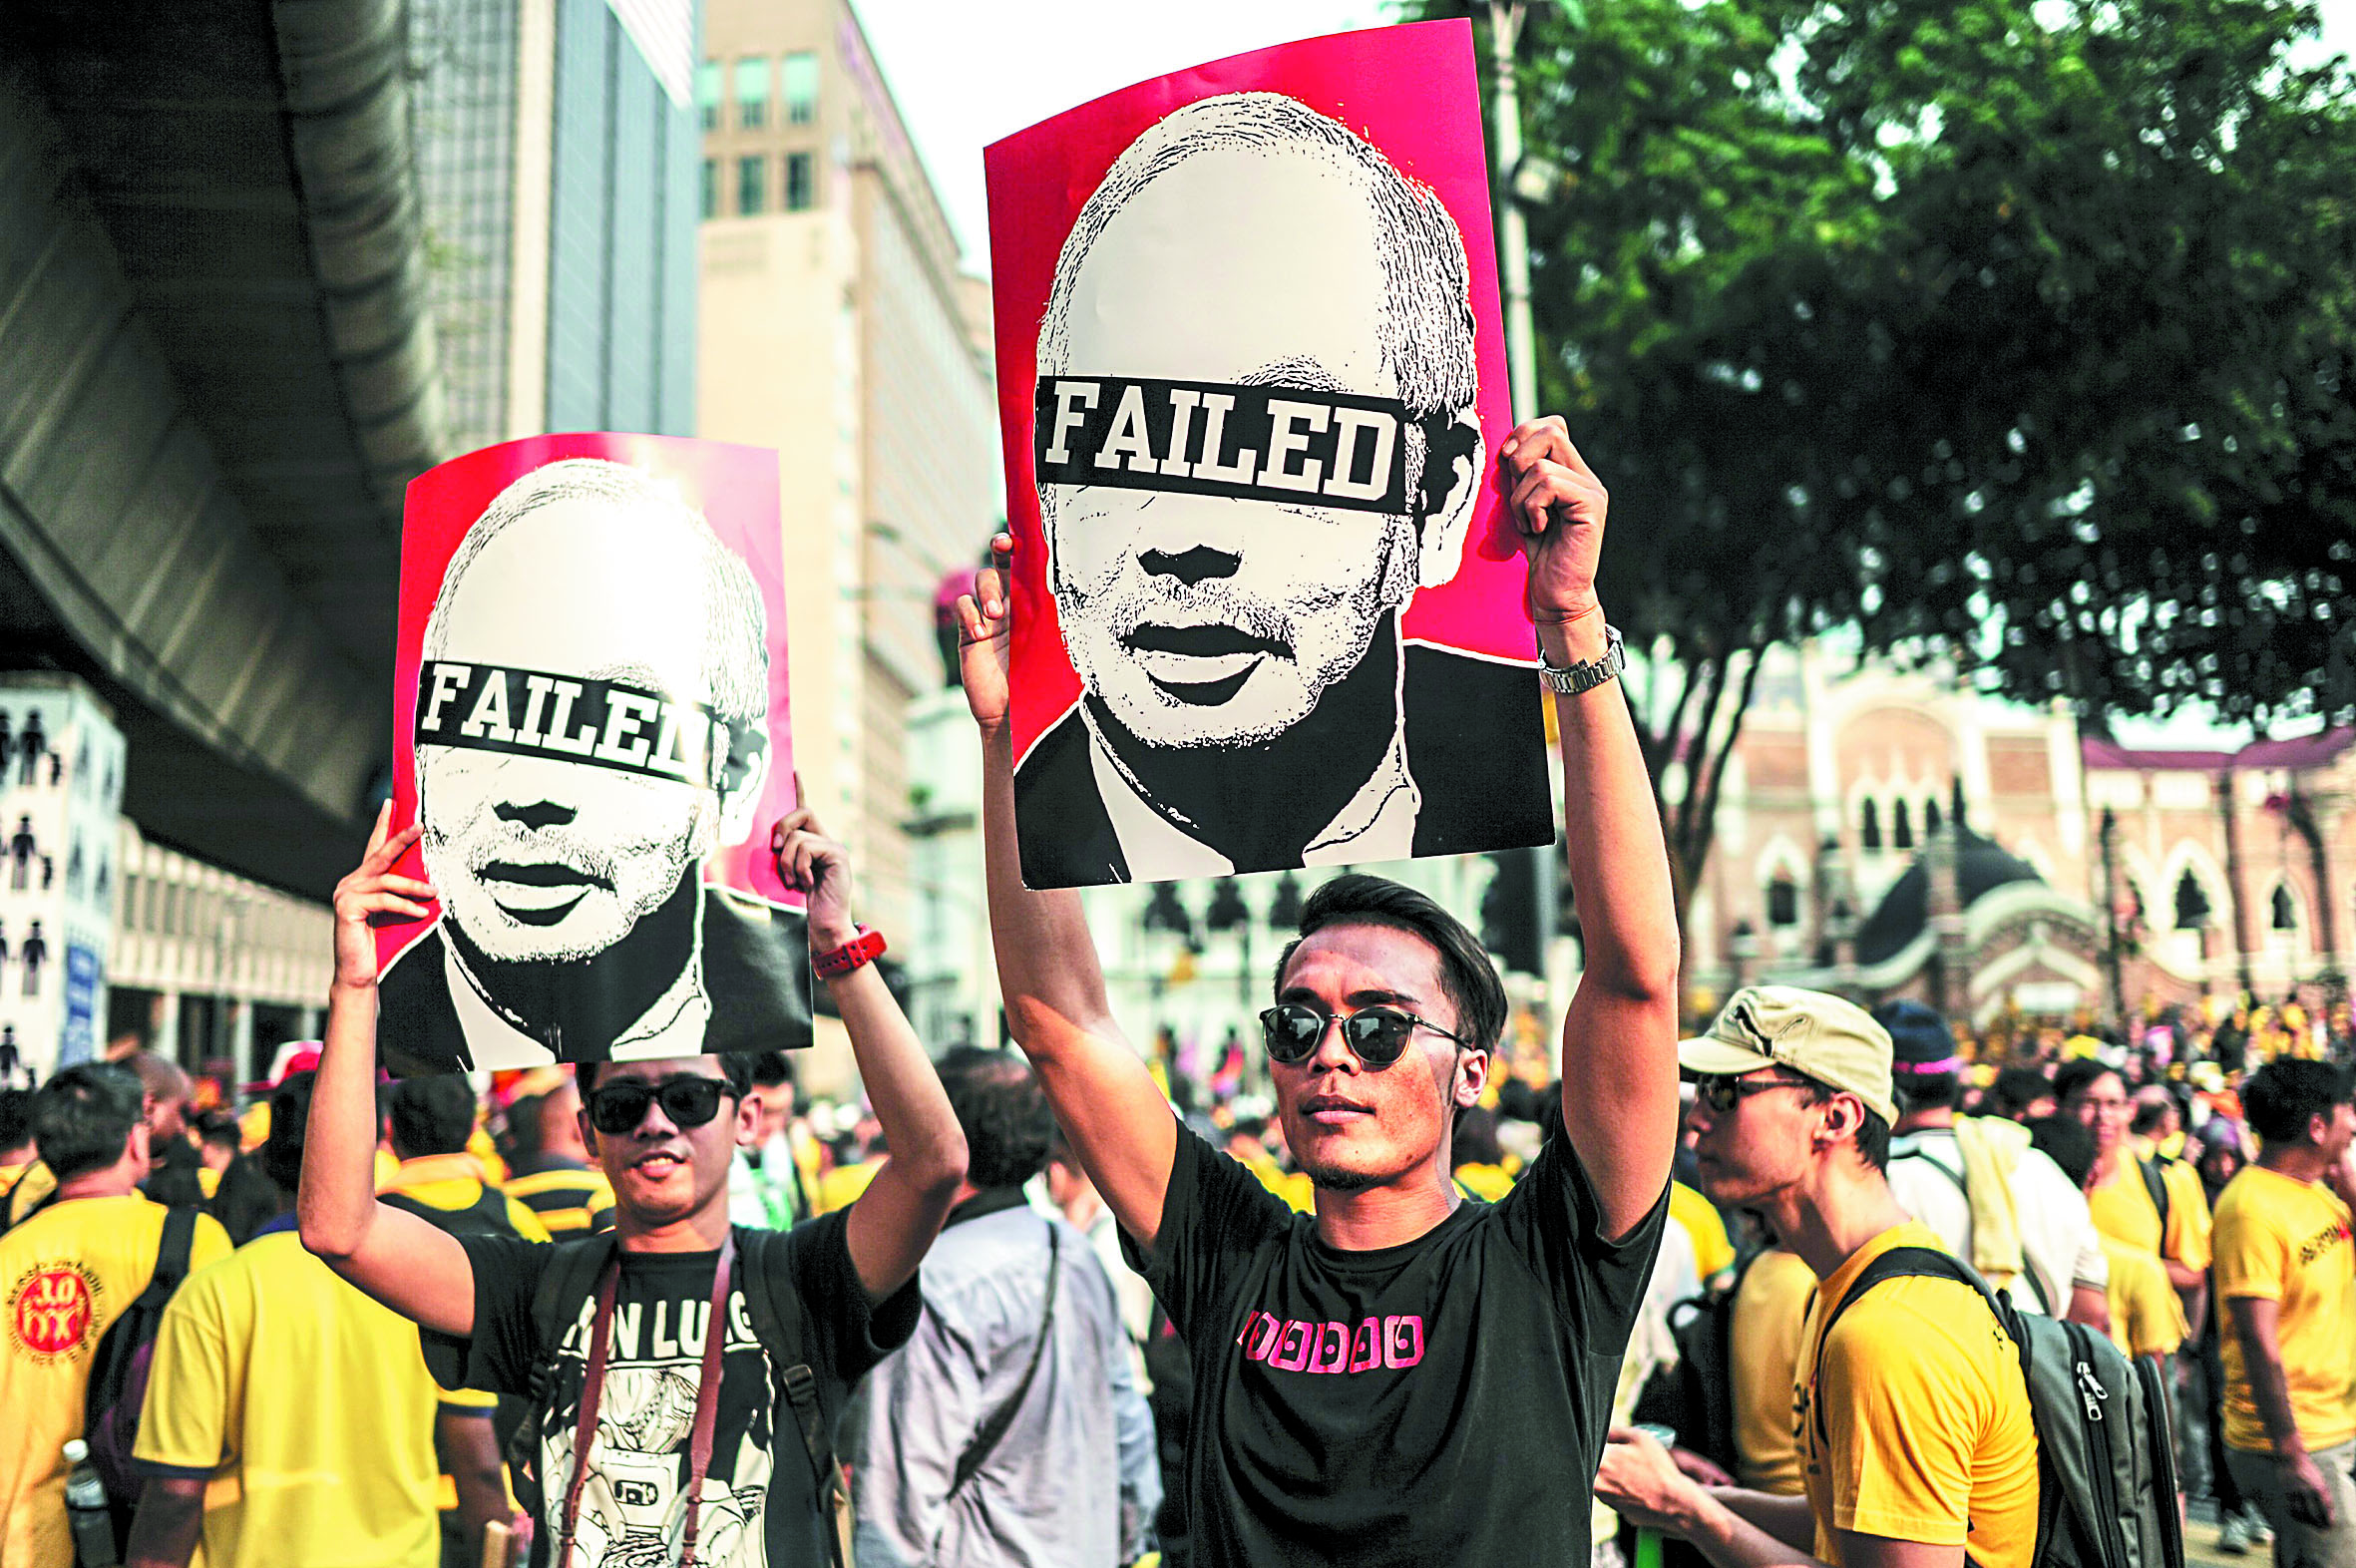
<point>1588,676</point>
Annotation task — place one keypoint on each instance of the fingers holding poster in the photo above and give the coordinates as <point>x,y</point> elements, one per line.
<point>591,736</point>
<point>1252,388</point>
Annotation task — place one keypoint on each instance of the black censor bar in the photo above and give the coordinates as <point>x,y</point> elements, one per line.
<point>530,713</point>
<point>1203,438</point>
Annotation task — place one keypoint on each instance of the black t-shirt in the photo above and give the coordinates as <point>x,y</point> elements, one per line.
<point>1443,1401</point>
<point>760,1507</point>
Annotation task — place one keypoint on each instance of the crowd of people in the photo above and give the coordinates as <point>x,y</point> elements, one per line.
<point>1814,1284</point>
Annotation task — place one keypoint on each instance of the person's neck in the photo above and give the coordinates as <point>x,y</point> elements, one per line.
<point>1388,1214</point>
<point>119,1180</point>
<point>1221,794</point>
<point>1932,1119</point>
<point>701,1231</point>
<point>1081,1211</point>
<point>2298,1161</point>
<point>1827,1218</point>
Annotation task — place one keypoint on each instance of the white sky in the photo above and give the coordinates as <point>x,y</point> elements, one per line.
<point>966,74</point>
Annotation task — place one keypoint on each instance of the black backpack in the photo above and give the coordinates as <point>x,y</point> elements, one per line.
<point>1694,1397</point>
<point>2106,1446</point>
<point>572,1277</point>
<point>119,1371</point>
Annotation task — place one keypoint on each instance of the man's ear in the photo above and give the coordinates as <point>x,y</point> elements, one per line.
<point>738,806</point>
<point>748,1121</point>
<point>589,1133</point>
<point>1472,1076</point>
<point>1453,465</point>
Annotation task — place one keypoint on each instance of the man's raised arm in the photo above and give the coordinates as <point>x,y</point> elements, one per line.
<point>896,1219</point>
<point>404,1262</point>
<point>1049,971</point>
<point>1619,1051</point>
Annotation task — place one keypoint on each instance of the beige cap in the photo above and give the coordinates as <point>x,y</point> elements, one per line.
<point>1817,1036</point>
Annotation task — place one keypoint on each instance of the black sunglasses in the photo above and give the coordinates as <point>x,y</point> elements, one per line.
<point>687,1099</point>
<point>1377,1035</point>
<point>1721,1092</point>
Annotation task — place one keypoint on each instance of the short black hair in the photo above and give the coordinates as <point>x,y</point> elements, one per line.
<point>736,1068</point>
<point>219,1129</point>
<point>82,1118</point>
<point>2015,1090</point>
<point>2074,1078</point>
<point>1003,1112</point>
<point>290,1116</point>
<point>1873,1133</point>
<point>2281,1097</point>
<point>1466,972</point>
<point>2068,1142</point>
<point>2151,1113</point>
<point>16,1119</point>
<point>1927,1091</point>
<point>769,1069</point>
<point>431,1115</point>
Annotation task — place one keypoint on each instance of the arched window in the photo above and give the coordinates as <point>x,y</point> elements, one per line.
<point>1783,902</point>
<point>2286,910</point>
<point>1930,819</point>
<point>1902,827</point>
<point>1869,825</point>
<point>2191,903</point>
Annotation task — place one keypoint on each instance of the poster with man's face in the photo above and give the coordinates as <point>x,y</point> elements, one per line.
<point>589,729</point>
<point>1251,379</point>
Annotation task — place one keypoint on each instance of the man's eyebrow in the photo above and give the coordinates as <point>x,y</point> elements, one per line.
<point>1372,997</point>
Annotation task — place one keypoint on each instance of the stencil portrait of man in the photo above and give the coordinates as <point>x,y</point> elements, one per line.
<point>592,727</point>
<point>1256,439</point>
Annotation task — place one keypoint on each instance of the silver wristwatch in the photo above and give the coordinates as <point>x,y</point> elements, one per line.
<point>1587,677</point>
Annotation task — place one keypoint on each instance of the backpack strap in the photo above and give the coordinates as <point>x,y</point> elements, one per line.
<point>172,1258</point>
<point>2157,1185</point>
<point>1915,1152</point>
<point>777,1322</point>
<point>571,1274</point>
<point>1905,1263</point>
<point>993,1431</point>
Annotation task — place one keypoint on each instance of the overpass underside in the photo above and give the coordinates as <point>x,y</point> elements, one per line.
<point>219,375</point>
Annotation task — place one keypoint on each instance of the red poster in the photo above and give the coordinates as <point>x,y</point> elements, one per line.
<point>1252,385</point>
<point>590,720</point>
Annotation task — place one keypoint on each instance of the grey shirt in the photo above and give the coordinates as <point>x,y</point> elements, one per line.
<point>1075,1480</point>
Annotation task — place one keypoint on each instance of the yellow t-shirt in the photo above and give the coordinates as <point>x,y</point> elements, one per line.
<point>2288,1242</point>
<point>305,1404</point>
<point>9,1174</point>
<point>32,1184</point>
<point>2147,1315</point>
<point>1770,1309</point>
<point>66,1275</point>
<point>455,1181</point>
<point>1714,1252</point>
<point>1489,1183</point>
<point>2122,1210</point>
<point>1926,1435</point>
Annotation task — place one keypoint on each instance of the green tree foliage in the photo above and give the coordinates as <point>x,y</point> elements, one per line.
<point>2018,332</point>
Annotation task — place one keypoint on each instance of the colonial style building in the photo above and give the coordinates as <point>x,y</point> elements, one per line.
<point>1885,833</point>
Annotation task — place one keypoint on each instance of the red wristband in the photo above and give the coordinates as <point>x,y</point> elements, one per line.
<point>865,948</point>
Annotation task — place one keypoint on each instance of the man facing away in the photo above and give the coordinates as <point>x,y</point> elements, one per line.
<point>694,1422</point>
<point>1406,1377</point>
<point>299,1407</point>
<point>549,1169</point>
<point>2286,1276</point>
<point>1997,1203</point>
<point>1009,1430</point>
<point>66,1273</point>
<point>1913,1419</point>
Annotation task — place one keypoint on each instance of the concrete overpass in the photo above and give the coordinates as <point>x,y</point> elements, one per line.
<point>219,375</point>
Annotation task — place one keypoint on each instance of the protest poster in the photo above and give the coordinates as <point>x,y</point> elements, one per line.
<point>1266,609</point>
<point>591,725</point>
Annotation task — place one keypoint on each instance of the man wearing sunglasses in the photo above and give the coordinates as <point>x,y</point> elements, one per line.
<point>680,1355</point>
<point>1913,1424</point>
<point>1403,1377</point>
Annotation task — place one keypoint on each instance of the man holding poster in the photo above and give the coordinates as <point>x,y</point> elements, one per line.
<point>592,727</point>
<point>1256,435</point>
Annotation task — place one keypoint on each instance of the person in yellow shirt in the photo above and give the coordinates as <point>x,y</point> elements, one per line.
<point>1713,1250</point>
<point>2286,1272</point>
<point>2135,1203</point>
<point>66,1273</point>
<point>1772,1303</point>
<point>548,1170</point>
<point>1916,1443</point>
<point>2146,1316</point>
<point>289,1417</point>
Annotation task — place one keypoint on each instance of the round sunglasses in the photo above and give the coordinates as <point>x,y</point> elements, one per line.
<point>686,1098</point>
<point>1377,1035</point>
